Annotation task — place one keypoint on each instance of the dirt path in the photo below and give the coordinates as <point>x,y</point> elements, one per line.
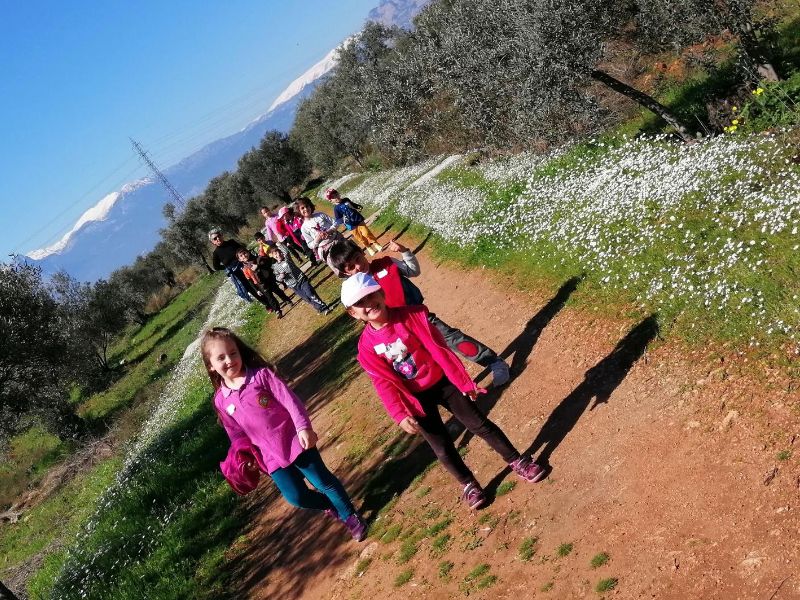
<point>667,462</point>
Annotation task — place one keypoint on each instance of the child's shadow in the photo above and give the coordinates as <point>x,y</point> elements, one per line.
<point>599,383</point>
<point>522,345</point>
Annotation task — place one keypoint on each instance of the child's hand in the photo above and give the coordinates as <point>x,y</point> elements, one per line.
<point>308,438</point>
<point>395,247</point>
<point>410,425</point>
<point>473,395</point>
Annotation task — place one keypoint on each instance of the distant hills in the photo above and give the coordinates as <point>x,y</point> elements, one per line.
<point>125,224</point>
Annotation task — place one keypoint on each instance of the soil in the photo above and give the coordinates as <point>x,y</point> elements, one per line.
<point>679,465</point>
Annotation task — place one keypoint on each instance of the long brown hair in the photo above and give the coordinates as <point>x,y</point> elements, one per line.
<point>306,201</point>
<point>250,358</point>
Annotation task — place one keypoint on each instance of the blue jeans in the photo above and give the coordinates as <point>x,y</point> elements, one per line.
<point>329,492</point>
<point>306,291</point>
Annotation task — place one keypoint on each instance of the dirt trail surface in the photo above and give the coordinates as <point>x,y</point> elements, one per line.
<point>675,465</point>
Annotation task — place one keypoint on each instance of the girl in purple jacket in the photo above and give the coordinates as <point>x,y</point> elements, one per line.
<point>270,431</point>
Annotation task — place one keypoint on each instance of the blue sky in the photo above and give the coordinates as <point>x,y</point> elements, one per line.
<point>77,79</point>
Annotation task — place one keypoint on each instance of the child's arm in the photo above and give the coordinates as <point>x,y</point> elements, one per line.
<point>338,215</point>
<point>286,397</point>
<point>277,271</point>
<point>249,274</point>
<point>409,266</point>
<point>380,374</point>
<point>437,346</point>
<point>309,233</point>
<point>353,204</point>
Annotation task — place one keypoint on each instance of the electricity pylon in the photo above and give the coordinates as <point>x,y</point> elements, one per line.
<point>180,203</point>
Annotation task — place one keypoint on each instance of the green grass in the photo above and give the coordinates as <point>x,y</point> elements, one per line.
<point>408,550</point>
<point>440,545</point>
<point>606,585</point>
<point>422,492</point>
<point>168,333</point>
<point>174,498</point>
<point>403,578</point>
<point>477,579</point>
<point>564,549</point>
<point>59,516</point>
<point>784,455</point>
<point>362,566</point>
<point>505,487</point>
<point>444,569</point>
<point>486,582</point>
<point>547,586</point>
<point>528,548</point>
<point>438,527</point>
<point>488,520</point>
<point>392,532</point>
<point>29,456</point>
<point>478,571</point>
<point>598,560</point>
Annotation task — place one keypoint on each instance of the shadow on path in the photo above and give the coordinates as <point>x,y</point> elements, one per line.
<point>598,384</point>
<point>521,347</point>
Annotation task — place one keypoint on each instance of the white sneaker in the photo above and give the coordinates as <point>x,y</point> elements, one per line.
<point>370,251</point>
<point>500,373</point>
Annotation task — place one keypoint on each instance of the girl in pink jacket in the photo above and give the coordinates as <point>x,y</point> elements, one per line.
<point>270,431</point>
<point>414,372</point>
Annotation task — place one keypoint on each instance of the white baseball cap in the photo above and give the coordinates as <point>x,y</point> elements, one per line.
<point>357,287</point>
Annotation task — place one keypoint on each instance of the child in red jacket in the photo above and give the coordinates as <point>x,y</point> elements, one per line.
<point>414,372</point>
<point>393,275</point>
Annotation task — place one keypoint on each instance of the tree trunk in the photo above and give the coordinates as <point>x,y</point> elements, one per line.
<point>203,260</point>
<point>648,102</point>
<point>6,594</point>
<point>754,52</point>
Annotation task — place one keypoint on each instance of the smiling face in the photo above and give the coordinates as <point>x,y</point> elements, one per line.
<point>371,309</point>
<point>304,210</point>
<point>357,263</point>
<point>242,256</point>
<point>223,356</point>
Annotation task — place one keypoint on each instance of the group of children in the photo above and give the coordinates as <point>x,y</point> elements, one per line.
<point>411,356</point>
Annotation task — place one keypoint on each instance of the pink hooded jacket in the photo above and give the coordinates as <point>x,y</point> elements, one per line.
<point>397,399</point>
<point>262,419</point>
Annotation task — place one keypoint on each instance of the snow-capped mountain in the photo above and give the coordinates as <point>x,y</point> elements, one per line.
<point>125,224</point>
<point>397,12</point>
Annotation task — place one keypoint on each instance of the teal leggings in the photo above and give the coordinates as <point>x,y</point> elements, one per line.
<point>329,492</point>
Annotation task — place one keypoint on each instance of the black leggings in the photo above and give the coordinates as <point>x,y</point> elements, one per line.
<point>463,408</point>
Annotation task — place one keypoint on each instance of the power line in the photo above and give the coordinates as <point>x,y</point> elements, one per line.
<point>179,201</point>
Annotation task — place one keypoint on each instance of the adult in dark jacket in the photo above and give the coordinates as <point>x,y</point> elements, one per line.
<point>224,258</point>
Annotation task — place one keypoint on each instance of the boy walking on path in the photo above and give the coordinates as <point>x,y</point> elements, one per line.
<point>260,274</point>
<point>346,212</point>
<point>393,277</point>
<point>290,275</point>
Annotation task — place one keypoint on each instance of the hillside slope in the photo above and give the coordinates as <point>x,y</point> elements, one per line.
<point>676,467</point>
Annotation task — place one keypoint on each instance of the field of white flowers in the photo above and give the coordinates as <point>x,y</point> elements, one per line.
<point>705,234</point>
<point>118,539</point>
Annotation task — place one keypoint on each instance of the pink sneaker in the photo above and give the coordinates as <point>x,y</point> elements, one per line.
<point>473,495</point>
<point>357,527</point>
<point>527,469</point>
